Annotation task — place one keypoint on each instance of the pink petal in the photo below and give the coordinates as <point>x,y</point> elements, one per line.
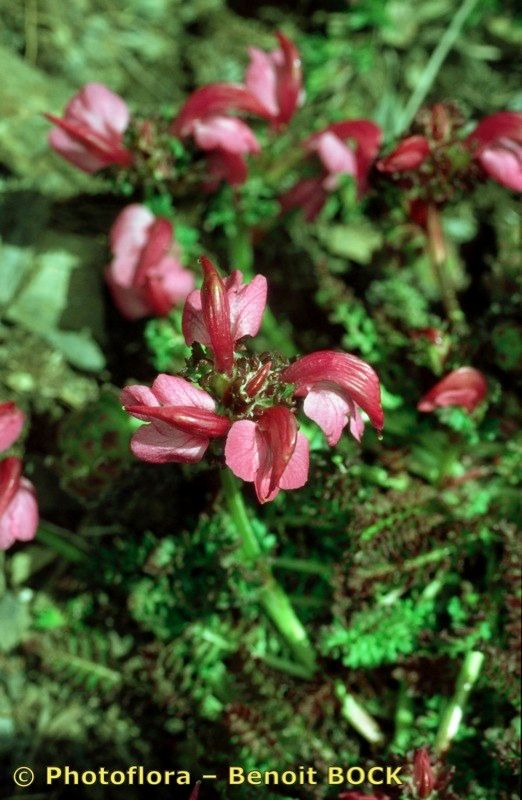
<point>289,78</point>
<point>138,395</point>
<point>177,282</point>
<point>216,98</point>
<point>367,137</point>
<point>99,108</point>
<point>74,152</point>
<point>128,300</point>
<point>465,387</point>
<point>243,450</point>
<point>129,234</point>
<point>159,443</point>
<point>193,324</point>
<point>352,375</point>
<point>11,423</point>
<point>19,521</point>
<point>260,80</point>
<point>409,154</point>
<point>356,423</point>
<point>225,133</point>
<point>503,163</point>
<point>329,408</point>
<point>225,166</point>
<point>336,157</point>
<point>247,304</point>
<point>89,135</point>
<point>277,436</point>
<point>308,194</point>
<point>503,124</point>
<point>174,391</point>
<point>296,472</point>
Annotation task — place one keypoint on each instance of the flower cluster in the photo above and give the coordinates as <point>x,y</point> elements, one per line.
<point>96,121</point>
<point>18,505</point>
<point>432,165</point>
<point>250,400</point>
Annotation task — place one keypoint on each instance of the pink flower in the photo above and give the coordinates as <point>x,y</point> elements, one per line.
<point>90,135</point>
<point>344,148</point>
<point>18,506</point>
<point>145,276</point>
<point>276,80</point>
<point>465,387</point>
<point>11,424</point>
<point>270,452</point>
<point>181,418</point>
<point>496,143</point>
<point>226,138</point>
<point>222,312</point>
<point>409,154</point>
<point>335,387</point>
<point>423,776</point>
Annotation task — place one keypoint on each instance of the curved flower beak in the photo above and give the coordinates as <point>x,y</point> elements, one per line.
<point>189,419</point>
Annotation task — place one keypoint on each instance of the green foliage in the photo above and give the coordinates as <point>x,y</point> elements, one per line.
<point>380,635</point>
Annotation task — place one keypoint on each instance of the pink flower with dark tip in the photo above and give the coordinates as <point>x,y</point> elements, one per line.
<point>181,417</point>
<point>18,505</point>
<point>145,275</point>
<point>336,386</point>
<point>344,148</point>
<point>496,143</point>
<point>90,134</point>
<point>270,452</point>
<point>11,424</point>
<point>409,154</point>
<point>465,387</point>
<point>223,311</point>
<point>206,117</point>
<point>276,80</point>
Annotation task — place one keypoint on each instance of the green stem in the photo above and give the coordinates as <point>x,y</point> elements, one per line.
<point>404,720</point>
<point>272,596</point>
<point>439,258</point>
<point>308,566</point>
<point>454,711</point>
<point>357,716</point>
<point>434,64</point>
<point>53,537</point>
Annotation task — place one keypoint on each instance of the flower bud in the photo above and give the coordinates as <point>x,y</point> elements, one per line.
<point>216,313</point>
<point>423,777</point>
<point>256,383</point>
